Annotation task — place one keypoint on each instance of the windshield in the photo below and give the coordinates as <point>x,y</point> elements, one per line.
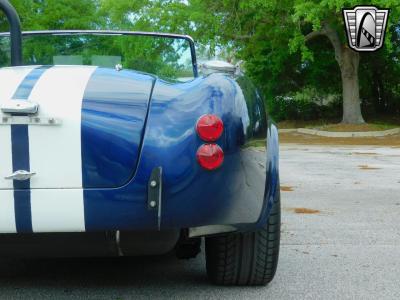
<point>167,57</point>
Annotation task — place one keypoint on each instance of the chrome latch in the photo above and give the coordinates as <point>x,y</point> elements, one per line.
<point>20,107</point>
<point>21,175</point>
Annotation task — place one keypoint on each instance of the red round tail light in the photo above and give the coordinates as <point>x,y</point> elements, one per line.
<point>210,156</point>
<point>209,128</point>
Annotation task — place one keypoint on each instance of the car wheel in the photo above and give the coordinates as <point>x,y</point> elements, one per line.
<point>249,258</point>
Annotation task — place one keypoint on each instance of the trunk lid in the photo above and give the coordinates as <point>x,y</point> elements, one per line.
<point>87,132</point>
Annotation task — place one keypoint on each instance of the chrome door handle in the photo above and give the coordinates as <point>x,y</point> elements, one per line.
<point>20,107</point>
<point>20,175</point>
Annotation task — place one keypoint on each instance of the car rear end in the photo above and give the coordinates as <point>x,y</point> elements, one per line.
<point>100,160</point>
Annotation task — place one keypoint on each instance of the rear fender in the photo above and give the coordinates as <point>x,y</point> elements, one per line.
<point>237,195</point>
<point>272,174</point>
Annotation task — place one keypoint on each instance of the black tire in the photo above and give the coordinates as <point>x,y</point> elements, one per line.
<point>249,258</point>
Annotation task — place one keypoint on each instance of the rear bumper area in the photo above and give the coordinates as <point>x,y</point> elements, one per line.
<point>100,244</point>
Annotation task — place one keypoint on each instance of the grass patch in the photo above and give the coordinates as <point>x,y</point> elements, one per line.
<point>297,138</point>
<point>356,128</point>
<point>292,124</point>
<point>338,127</point>
<point>306,139</point>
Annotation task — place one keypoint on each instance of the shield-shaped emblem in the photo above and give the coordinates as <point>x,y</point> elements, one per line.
<point>366,27</point>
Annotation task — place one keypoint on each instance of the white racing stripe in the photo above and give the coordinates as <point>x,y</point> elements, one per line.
<point>55,151</point>
<point>10,79</point>
<point>7,212</point>
<point>57,210</point>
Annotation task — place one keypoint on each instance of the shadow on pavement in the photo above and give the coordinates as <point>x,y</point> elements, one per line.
<point>90,273</point>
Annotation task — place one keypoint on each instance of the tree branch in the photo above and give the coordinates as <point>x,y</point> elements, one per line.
<point>242,37</point>
<point>313,35</point>
<point>333,37</point>
<point>236,37</point>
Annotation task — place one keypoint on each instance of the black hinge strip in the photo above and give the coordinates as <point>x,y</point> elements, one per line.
<point>154,192</point>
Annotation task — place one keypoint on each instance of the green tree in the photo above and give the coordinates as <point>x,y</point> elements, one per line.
<point>56,14</point>
<point>265,33</point>
<point>326,20</point>
<point>268,32</point>
<point>50,14</point>
<point>286,44</point>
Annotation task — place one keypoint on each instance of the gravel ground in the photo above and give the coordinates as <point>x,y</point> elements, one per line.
<point>340,240</point>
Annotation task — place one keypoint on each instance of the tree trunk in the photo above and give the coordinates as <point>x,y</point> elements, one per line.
<point>349,62</point>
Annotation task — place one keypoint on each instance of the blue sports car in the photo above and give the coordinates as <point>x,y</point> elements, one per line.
<point>113,144</point>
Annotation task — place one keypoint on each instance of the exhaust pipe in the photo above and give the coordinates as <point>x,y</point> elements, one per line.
<point>15,32</point>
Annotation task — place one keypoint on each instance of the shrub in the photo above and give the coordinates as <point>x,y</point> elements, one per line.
<point>307,104</point>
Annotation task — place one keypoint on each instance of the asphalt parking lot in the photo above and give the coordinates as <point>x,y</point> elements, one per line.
<point>340,240</point>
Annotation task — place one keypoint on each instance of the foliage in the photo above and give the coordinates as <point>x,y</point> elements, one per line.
<point>306,104</point>
<point>270,36</point>
<point>160,56</point>
<point>55,14</point>
<point>380,83</point>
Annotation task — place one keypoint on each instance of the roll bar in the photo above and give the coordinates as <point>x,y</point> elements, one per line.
<point>15,32</point>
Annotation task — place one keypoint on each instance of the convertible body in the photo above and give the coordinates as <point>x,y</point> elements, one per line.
<point>97,159</point>
<point>111,129</point>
